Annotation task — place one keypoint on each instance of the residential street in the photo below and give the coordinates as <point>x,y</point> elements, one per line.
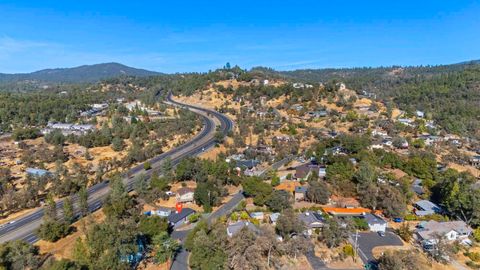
<point>180,261</point>
<point>367,241</point>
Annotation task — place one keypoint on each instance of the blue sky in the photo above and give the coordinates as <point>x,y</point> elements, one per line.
<point>194,36</point>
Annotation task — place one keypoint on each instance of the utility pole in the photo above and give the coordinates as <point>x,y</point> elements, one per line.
<point>355,246</point>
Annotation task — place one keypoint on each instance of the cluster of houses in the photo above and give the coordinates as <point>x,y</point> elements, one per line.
<point>137,105</point>
<point>68,129</point>
<point>95,109</point>
<point>313,220</point>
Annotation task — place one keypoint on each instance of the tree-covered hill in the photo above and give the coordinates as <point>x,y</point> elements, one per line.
<point>81,74</point>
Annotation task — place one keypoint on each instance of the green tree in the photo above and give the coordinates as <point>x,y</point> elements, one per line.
<point>333,234</point>
<point>152,226</point>
<point>118,202</point>
<point>68,214</point>
<point>118,144</point>
<point>19,255</point>
<point>288,223</point>
<point>278,200</point>
<point>165,247</point>
<point>318,192</point>
<point>256,188</point>
<point>83,201</point>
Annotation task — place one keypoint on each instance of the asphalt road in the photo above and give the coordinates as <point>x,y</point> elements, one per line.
<point>24,228</point>
<point>367,241</point>
<point>180,261</point>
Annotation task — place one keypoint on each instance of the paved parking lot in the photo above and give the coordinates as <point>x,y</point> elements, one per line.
<point>369,240</point>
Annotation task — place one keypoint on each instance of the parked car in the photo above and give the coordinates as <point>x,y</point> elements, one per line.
<point>382,234</point>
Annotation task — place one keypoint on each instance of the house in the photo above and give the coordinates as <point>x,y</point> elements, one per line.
<point>162,212</point>
<point>35,172</point>
<point>248,166</point>
<point>425,207</point>
<point>284,138</point>
<point>304,171</point>
<point>234,228</point>
<point>68,129</point>
<point>417,187</point>
<point>375,223</point>
<point>379,133</point>
<point>298,85</point>
<point>318,114</point>
<point>185,194</point>
<point>312,220</point>
<point>347,212</point>
<point>337,150</point>
<point>257,215</point>
<point>475,161</point>
<point>344,202</point>
<point>300,193</point>
<point>387,142</point>
<point>288,186</point>
<point>274,217</point>
<point>322,172</point>
<point>429,232</point>
<point>406,121</point>
<point>176,219</point>
<point>420,114</point>
<point>297,107</point>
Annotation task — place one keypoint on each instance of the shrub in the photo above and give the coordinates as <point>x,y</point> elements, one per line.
<point>147,166</point>
<point>348,250</point>
<point>194,218</point>
<point>410,217</point>
<point>474,256</point>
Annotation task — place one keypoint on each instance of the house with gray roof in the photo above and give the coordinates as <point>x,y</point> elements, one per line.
<point>274,217</point>
<point>429,232</point>
<point>300,193</point>
<point>175,219</point>
<point>35,172</point>
<point>417,187</point>
<point>425,207</point>
<point>304,171</point>
<point>311,220</point>
<point>234,228</point>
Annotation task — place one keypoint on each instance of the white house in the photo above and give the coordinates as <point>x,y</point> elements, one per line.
<point>185,194</point>
<point>420,114</point>
<point>375,223</point>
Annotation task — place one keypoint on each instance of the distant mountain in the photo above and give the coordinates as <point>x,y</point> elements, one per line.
<point>81,74</point>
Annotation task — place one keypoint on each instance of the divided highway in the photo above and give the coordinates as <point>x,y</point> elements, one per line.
<point>24,228</point>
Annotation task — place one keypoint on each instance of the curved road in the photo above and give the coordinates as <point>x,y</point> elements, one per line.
<point>24,228</point>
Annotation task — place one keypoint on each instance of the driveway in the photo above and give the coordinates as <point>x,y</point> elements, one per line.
<point>367,241</point>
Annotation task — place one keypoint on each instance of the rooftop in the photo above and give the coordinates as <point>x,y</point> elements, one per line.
<point>431,228</point>
<point>176,217</point>
<point>234,228</point>
<point>373,219</point>
<point>336,211</point>
<point>426,205</point>
<point>185,190</point>
<point>301,189</point>
<point>311,219</point>
<point>288,186</point>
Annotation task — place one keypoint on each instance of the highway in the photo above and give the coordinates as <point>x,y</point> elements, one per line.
<point>24,227</point>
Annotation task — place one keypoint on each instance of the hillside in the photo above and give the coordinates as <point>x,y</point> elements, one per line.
<point>449,94</point>
<point>81,74</point>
